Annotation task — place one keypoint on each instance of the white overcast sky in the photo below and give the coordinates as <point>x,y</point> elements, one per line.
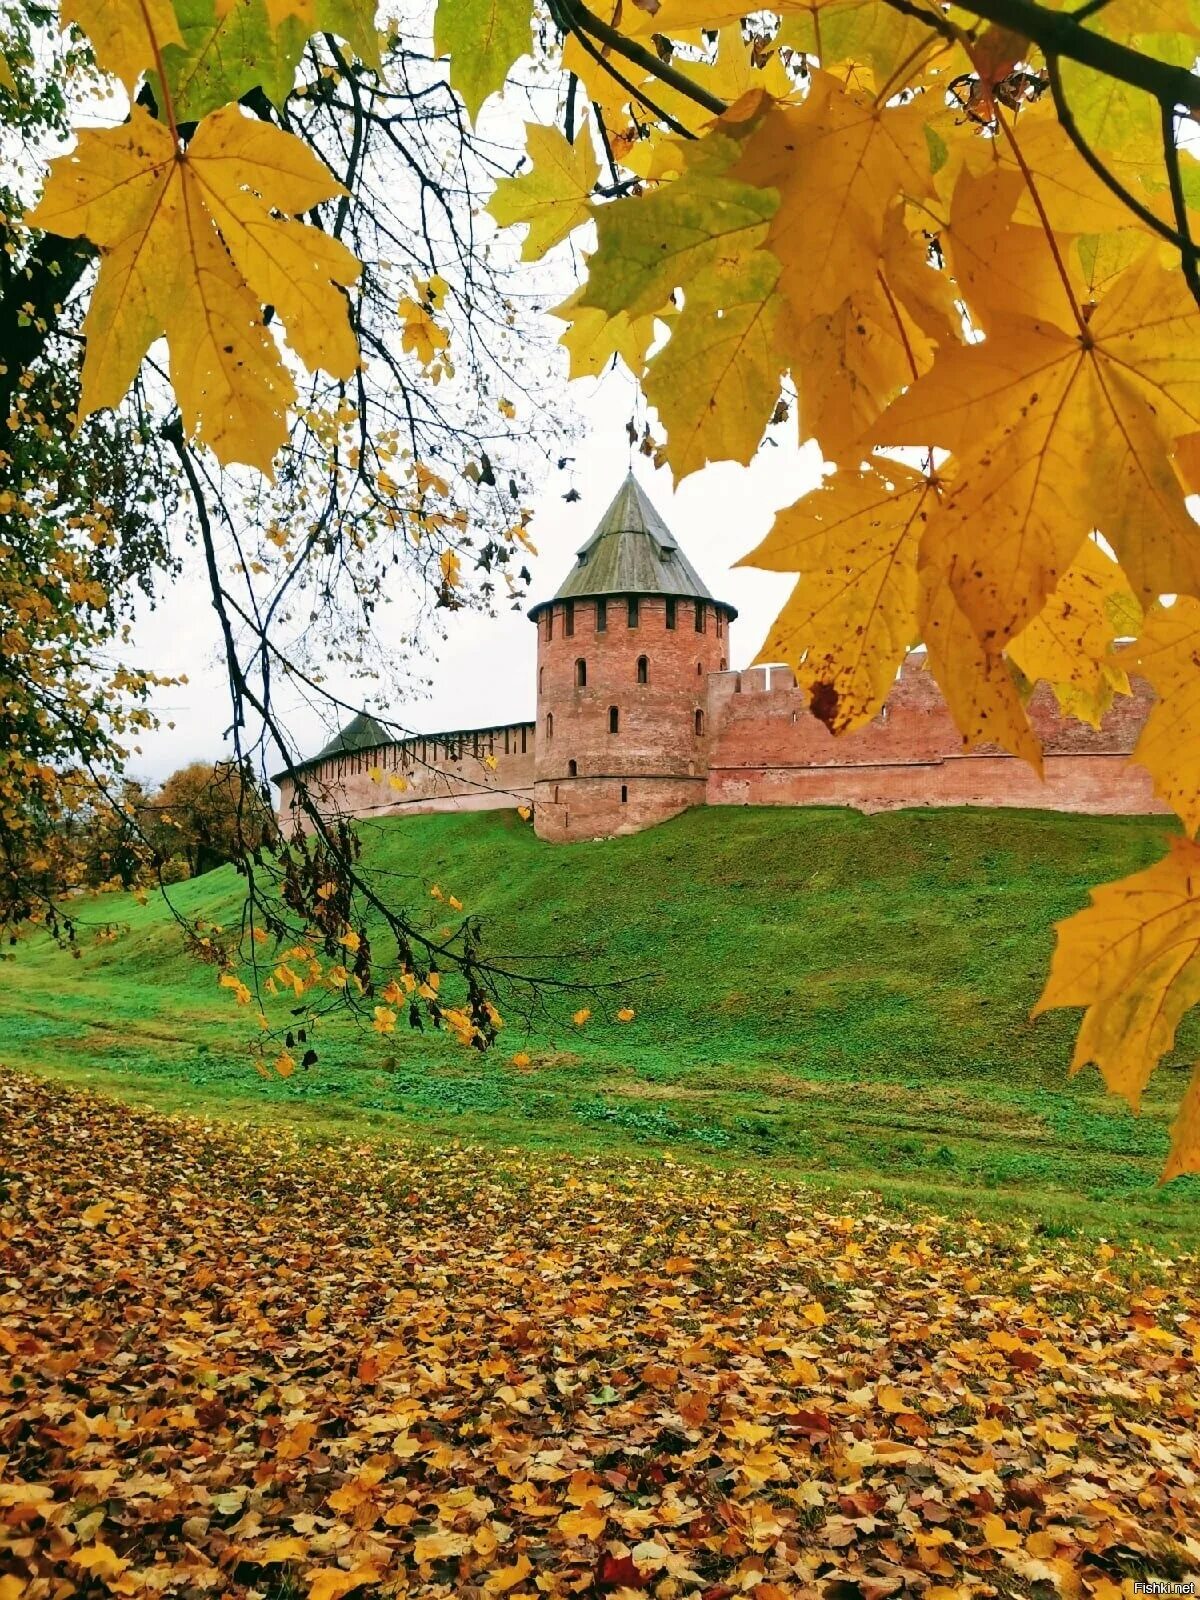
<point>484,672</point>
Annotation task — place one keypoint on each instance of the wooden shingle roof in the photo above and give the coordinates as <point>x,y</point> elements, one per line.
<point>632,551</point>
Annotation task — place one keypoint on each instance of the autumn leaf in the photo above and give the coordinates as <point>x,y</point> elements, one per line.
<point>554,196</point>
<point>854,541</point>
<point>124,37</point>
<point>705,221</point>
<point>483,38</point>
<point>438,1546</point>
<point>980,689</point>
<point>1069,643</point>
<point>1168,654</point>
<point>838,162</point>
<point>190,249</point>
<point>1132,959</point>
<point>1082,443</point>
<point>101,1559</point>
<point>716,381</point>
<point>1184,1154</point>
<point>224,48</point>
<point>594,337</point>
<point>331,1583</point>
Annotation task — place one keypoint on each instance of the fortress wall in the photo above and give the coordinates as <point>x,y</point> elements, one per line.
<point>768,749</point>
<point>441,772</point>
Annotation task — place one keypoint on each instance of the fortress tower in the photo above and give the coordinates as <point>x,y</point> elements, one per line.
<point>625,649</point>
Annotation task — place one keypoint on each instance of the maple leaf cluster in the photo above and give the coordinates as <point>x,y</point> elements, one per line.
<point>240,1361</point>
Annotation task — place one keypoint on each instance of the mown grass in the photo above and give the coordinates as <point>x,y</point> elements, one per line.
<point>817,992</point>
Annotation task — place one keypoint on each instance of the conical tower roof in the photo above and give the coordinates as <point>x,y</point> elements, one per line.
<point>632,551</point>
<point>362,732</point>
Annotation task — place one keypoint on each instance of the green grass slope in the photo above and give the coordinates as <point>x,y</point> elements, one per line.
<point>817,991</point>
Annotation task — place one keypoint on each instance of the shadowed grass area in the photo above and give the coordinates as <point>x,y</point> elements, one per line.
<point>816,991</point>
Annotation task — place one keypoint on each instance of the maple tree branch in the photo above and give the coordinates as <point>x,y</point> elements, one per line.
<point>619,77</point>
<point>582,21</point>
<point>1059,33</point>
<point>1179,201</point>
<point>1071,128</point>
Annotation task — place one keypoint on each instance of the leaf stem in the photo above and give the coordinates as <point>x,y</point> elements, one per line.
<point>1051,239</point>
<point>168,105</point>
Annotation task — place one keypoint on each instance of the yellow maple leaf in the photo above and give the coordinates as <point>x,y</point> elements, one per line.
<point>190,247</point>
<point>420,335</point>
<point>584,1522</point>
<point>1168,654</point>
<point>1132,959</point>
<point>594,337</point>
<point>125,37</point>
<point>287,1548</point>
<point>331,1583</point>
<point>451,565</point>
<point>100,1559</point>
<point>706,221</point>
<point>838,162</point>
<point>1068,643</point>
<point>626,1014</point>
<point>1056,435</point>
<point>437,1546</point>
<point>581,1016</point>
<point>1184,1154</point>
<point>979,688</point>
<point>505,1578</point>
<point>852,617</point>
<point>483,38</point>
<point>716,381</point>
<point>554,196</point>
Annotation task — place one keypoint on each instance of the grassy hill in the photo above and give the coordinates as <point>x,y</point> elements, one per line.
<point>816,991</point>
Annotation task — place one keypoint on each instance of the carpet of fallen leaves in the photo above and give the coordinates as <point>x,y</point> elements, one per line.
<point>236,1361</point>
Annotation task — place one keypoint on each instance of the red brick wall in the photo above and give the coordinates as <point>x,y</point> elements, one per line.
<point>656,754</point>
<point>442,772</point>
<point>767,749</point>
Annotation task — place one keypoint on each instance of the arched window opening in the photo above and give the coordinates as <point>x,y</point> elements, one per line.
<point>549,622</point>
<point>572,769</point>
<point>699,616</point>
<point>549,724</point>
<point>699,669</point>
<point>601,616</point>
<point>643,669</point>
<point>724,664</point>
<point>631,615</point>
<point>720,624</point>
<point>624,794</point>
<point>614,719</point>
<point>569,618</point>
<point>699,724</point>
<point>670,613</point>
<point>524,733</point>
<point>541,680</point>
<point>581,674</point>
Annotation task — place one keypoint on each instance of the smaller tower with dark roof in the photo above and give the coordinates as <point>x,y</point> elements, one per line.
<point>625,649</point>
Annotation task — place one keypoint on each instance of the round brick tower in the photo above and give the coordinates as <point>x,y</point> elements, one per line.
<point>625,649</point>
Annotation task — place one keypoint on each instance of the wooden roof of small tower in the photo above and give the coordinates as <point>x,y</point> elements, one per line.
<point>632,551</point>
